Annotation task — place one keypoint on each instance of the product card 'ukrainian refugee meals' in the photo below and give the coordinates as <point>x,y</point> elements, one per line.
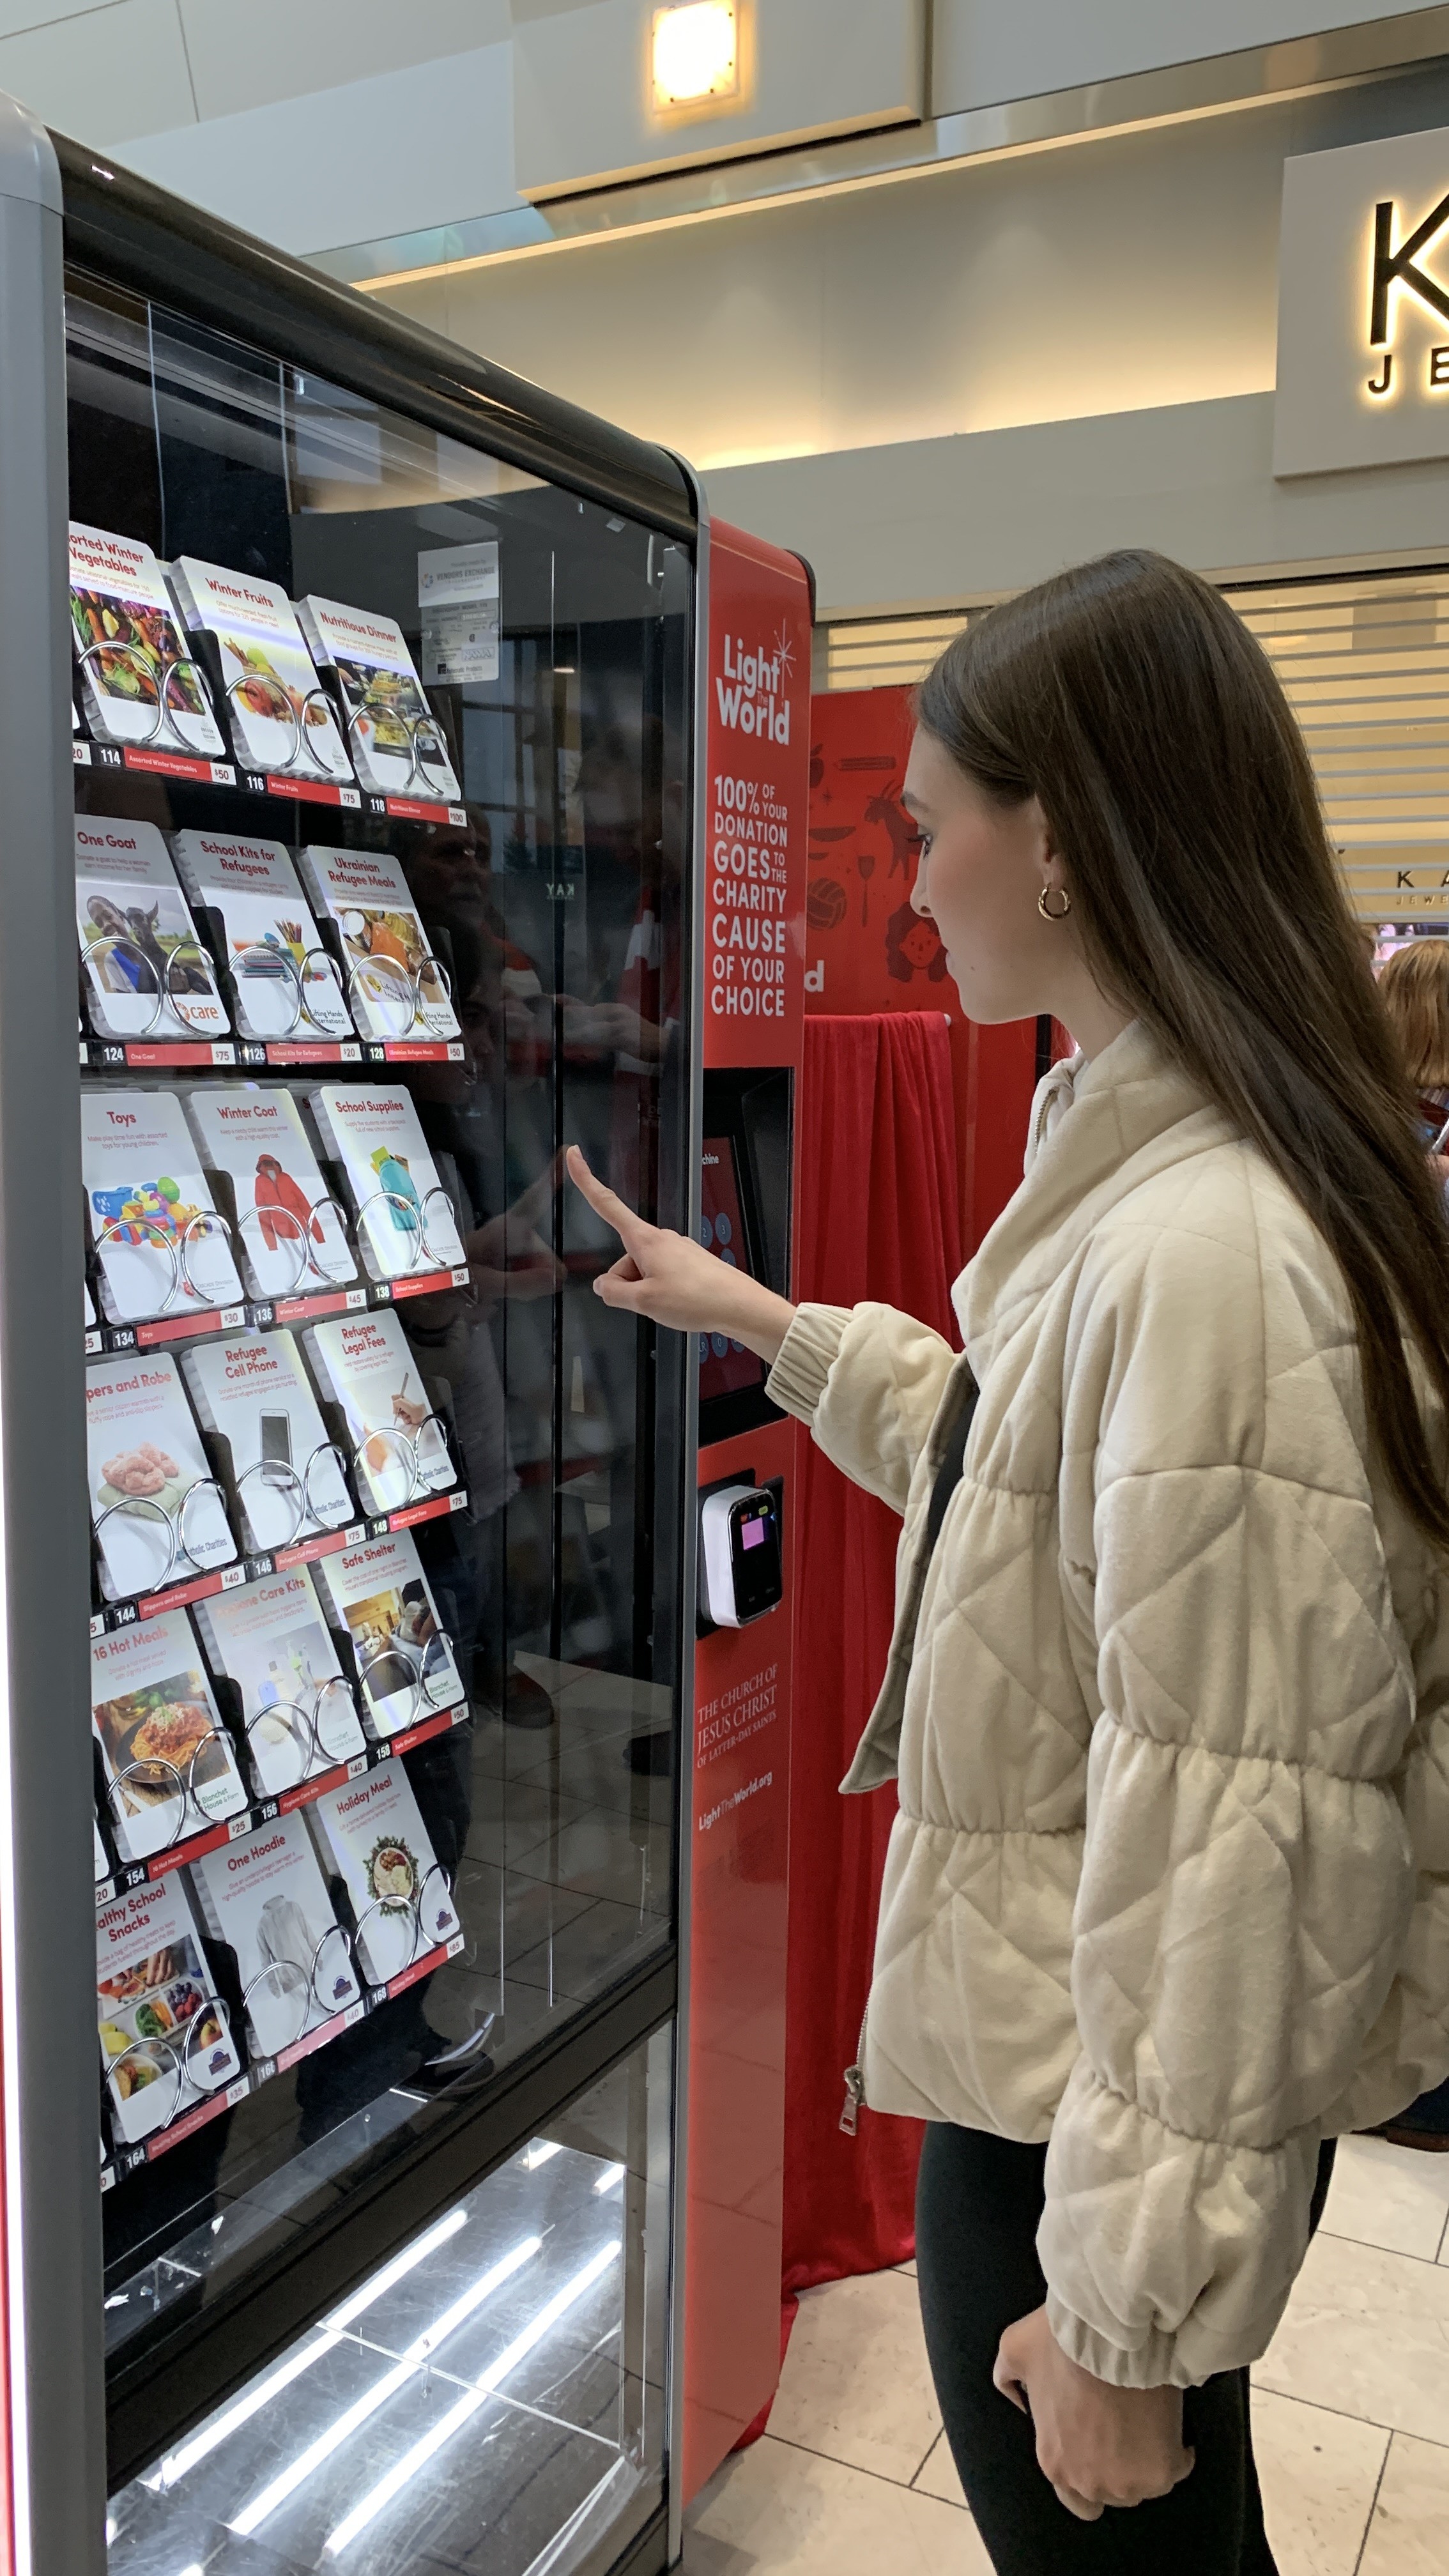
<point>397,987</point>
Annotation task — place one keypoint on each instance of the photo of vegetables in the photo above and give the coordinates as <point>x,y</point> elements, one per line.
<point>133,631</point>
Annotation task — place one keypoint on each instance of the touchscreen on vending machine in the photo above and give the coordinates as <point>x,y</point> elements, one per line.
<point>725,1366</point>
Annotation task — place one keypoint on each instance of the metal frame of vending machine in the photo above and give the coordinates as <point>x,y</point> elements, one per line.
<point>230,2305</point>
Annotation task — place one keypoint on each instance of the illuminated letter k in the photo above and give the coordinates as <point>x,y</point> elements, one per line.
<point>1390,264</point>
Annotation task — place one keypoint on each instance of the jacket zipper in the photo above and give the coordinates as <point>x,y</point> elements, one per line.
<point>854,2088</point>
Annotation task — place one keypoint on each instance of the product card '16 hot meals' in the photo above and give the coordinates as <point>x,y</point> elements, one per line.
<point>165,2038</point>
<point>159,1243</point>
<point>265,1897</point>
<point>405,1218</point>
<point>169,1763</point>
<point>285,984</point>
<point>395,738</point>
<point>147,975</point>
<point>402,1904</point>
<point>397,987</point>
<point>291,1238</point>
<point>139,684</point>
<point>279,715</point>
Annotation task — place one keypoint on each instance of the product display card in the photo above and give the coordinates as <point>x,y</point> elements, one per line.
<point>161,1247</point>
<point>375,1838</point>
<point>147,974</point>
<point>379,1593</point>
<point>267,1899</point>
<point>395,984</point>
<point>291,1238</point>
<point>395,1441</point>
<point>405,1219</point>
<point>139,684</point>
<point>395,739</point>
<point>284,982</point>
<point>253,1390</point>
<point>164,2036</point>
<point>298,1712</point>
<point>171,1769</point>
<point>157,1513</point>
<point>272,702</point>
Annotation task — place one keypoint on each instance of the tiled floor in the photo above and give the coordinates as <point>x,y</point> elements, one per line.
<point>1351,2419</point>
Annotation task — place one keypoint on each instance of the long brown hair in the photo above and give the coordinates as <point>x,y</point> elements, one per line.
<point>1131,701</point>
<point>1414,990</point>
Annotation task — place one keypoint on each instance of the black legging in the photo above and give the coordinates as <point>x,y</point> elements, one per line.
<point>978,2206</point>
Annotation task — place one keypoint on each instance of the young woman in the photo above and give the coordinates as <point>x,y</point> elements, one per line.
<point>1167,1903</point>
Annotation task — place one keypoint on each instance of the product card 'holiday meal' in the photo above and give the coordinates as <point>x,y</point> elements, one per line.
<point>374,1835</point>
<point>161,1247</point>
<point>170,1766</point>
<point>298,1713</point>
<point>147,974</point>
<point>379,1593</point>
<point>278,714</point>
<point>139,684</point>
<point>290,1483</point>
<point>395,739</point>
<point>396,985</point>
<point>266,1897</point>
<point>285,983</point>
<point>405,1218</point>
<point>291,1238</point>
<point>394,1439</point>
<point>156,1510</point>
<point>165,2044</point>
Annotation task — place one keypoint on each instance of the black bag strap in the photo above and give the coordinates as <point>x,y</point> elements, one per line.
<point>948,1474</point>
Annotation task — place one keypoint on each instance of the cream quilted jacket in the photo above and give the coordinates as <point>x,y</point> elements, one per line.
<point>1169,1712</point>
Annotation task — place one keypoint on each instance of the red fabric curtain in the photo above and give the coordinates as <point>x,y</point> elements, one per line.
<point>879,1217</point>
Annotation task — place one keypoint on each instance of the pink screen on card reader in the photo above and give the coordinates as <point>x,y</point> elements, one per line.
<point>752,1533</point>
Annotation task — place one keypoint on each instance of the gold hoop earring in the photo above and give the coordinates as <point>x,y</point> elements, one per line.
<point>1044,908</point>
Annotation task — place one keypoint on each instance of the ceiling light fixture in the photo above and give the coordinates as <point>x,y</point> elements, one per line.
<point>696,52</point>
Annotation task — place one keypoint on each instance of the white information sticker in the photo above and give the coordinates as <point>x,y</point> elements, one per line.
<point>458,594</point>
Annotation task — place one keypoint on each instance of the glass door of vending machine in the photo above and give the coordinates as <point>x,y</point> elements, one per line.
<point>381,714</point>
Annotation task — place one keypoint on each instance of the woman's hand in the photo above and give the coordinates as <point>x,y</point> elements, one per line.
<point>1098,2445</point>
<point>676,1282</point>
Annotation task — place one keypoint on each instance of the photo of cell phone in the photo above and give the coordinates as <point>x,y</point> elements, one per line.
<point>276,1448</point>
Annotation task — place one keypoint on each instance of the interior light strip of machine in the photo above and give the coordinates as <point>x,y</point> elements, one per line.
<point>253,2515</point>
<point>410,2463</point>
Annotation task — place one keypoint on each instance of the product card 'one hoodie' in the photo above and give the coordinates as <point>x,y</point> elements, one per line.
<point>394,1439</point>
<point>147,975</point>
<point>292,1240</point>
<point>165,2043</point>
<point>267,1899</point>
<point>375,1838</point>
<point>170,1765</point>
<point>130,652</point>
<point>161,1247</point>
<point>253,1390</point>
<point>275,707</point>
<point>298,1713</point>
<point>396,740</point>
<point>379,1594</point>
<point>285,984</point>
<point>396,986</point>
<point>405,1218</point>
<point>155,1507</point>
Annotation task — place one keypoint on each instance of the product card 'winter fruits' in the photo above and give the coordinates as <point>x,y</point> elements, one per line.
<point>395,739</point>
<point>394,1439</point>
<point>147,975</point>
<point>298,1714</point>
<point>405,1218</point>
<point>156,1509</point>
<point>139,684</point>
<point>396,986</point>
<point>379,1593</point>
<point>165,2040</point>
<point>266,1897</point>
<point>170,1765</point>
<point>162,1248</point>
<point>284,983</point>
<point>375,1839</point>
<point>288,1481</point>
<point>268,692</point>
<point>291,1239</point>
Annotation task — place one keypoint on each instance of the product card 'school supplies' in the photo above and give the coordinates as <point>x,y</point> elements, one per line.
<point>147,975</point>
<point>166,2044</point>
<point>268,693</point>
<point>157,1510</point>
<point>266,1898</point>
<point>298,1715</point>
<point>140,683</point>
<point>291,1239</point>
<point>406,1222</point>
<point>169,1762</point>
<point>395,984</point>
<point>161,1247</point>
<point>379,1594</point>
<point>283,982</point>
<point>287,1481</point>
<point>373,1834</point>
<point>394,1440</point>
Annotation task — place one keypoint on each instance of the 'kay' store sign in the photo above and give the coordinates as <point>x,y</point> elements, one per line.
<point>1363,307</point>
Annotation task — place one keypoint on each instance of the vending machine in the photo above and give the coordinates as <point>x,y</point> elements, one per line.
<point>353,845</point>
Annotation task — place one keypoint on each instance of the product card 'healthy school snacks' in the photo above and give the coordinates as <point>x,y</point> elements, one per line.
<point>156,1510</point>
<point>138,682</point>
<point>170,1766</point>
<point>291,1239</point>
<point>396,985</point>
<point>394,737</point>
<point>161,1248</point>
<point>284,983</point>
<point>270,698</point>
<point>379,1594</point>
<point>374,1837</point>
<point>405,1219</point>
<point>147,974</point>
<point>266,1897</point>
<point>394,1440</point>
<point>298,1713</point>
<point>253,1390</point>
<point>165,2040</point>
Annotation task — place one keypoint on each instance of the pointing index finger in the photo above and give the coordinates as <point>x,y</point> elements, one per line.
<point>631,1229</point>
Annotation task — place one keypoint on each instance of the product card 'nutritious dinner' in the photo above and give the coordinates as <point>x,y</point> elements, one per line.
<point>395,1440</point>
<point>396,985</point>
<point>396,740</point>
<point>279,715</point>
<point>266,1897</point>
<point>298,1714</point>
<point>147,974</point>
<point>161,1247</point>
<point>375,1838</point>
<point>405,1219</point>
<point>139,685</point>
<point>291,1239</point>
<point>169,1762</point>
<point>379,1593</point>
<point>165,2040</point>
<point>290,1483</point>
<point>156,1509</point>
<point>284,982</point>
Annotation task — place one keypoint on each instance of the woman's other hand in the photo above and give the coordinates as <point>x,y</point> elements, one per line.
<point>1098,2445</point>
<point>676,1282</point>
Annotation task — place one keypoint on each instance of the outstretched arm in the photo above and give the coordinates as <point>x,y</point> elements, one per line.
<point>673,1281</point>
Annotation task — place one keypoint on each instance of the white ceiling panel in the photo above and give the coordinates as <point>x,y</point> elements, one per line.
<point>247,53</point>
<point>17,16</point>
<point>110,73</point>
